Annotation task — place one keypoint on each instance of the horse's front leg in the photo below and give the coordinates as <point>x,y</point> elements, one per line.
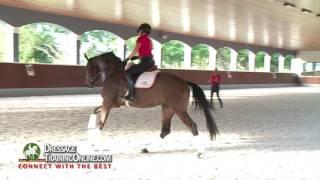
<point>105,109</point>
<point>97,109</point>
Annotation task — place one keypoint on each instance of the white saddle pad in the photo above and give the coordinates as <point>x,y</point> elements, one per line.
<point>146,79</point>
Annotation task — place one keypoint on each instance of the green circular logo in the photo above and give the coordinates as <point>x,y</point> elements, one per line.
<point>31,151</point>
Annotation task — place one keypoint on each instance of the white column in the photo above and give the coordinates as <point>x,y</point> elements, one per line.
<point>251,59</point>
<point>71,49</point>
<point>297,65</point>
<point>267,60</point>
<point>8,47</point>
<point>187,57</point>
<point>281,64</point>
<point>156,53</point>
<point>120,48</point>
<point>212,58</point>
<point>233,60</point>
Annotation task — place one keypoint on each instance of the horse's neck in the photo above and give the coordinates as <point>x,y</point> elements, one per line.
<point>113,75</point>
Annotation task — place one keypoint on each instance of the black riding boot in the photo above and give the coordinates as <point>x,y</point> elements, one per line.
<point>130,96</point>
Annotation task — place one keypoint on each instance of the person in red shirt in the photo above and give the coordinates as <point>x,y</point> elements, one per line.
<point>143,48</point>
<point>215,81</point>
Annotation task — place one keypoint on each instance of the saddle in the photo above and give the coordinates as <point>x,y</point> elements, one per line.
<point>147,79</point>
<point>153,68</point>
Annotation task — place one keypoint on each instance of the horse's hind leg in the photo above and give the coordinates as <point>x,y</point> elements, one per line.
<point>167,114</point>
<point>104,114</point>
<point>186,119</point>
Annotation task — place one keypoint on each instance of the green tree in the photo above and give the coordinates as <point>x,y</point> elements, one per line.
<point>287,63</point>
<point>38,43</point>
<point>274,65</point>
<point>200,56</point>
<point>243,60</point>
<point>172,54</point>
<point>259,61</point>
<point>223,59</point>
<point>97,42</point>
<point>131,42</point>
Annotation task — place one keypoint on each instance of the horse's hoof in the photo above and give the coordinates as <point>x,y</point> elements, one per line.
<point>100,126</point>
<point>144,150</point>
<point>164,134</point>
<point>200,155</point>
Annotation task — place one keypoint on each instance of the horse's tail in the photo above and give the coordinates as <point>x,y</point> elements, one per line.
<point>201,101</point>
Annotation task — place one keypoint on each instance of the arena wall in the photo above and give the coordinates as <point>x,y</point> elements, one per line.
<point>15,75</point>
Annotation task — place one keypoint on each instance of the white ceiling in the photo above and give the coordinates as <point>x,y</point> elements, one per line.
<point>259,22</point>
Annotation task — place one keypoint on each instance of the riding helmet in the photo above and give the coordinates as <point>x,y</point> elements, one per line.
<point>144,28</point>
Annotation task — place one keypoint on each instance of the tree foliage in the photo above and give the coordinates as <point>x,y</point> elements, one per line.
<point>172,54</point>
<point>243,60</point>
<point>97,42</point>
<point>223,59</point>
<point>38,43</point>
<point>287,63</point>
<point>131,42</point>
<point>200,56</point>
<point>274,64</point>
<point>259,61</point>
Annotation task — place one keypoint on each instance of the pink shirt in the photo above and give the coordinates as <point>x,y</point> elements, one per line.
<point>146,46</point>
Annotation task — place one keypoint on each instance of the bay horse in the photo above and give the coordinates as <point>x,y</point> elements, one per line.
<point>169,91</point>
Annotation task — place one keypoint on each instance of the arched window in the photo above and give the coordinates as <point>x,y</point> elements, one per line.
<point>46,43</point>
<point>274,64</point>
<point>287,63</point>
<point>259,61</point>
<point>243,60</point>
<point>97,42</point>
<point>172,54</point>
<point>200,56</point>
<point>223,59</point>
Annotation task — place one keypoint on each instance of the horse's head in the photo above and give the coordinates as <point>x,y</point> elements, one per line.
<point>98,67</point>
<point>92,71</point>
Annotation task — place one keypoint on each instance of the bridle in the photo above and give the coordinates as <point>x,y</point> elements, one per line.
<point>95,77</point>
<point>93,80</point>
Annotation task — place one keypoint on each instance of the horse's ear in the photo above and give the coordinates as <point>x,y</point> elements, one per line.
<point>85,55</point>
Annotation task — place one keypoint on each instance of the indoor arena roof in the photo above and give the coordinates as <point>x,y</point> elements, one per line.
<point>290,24</point>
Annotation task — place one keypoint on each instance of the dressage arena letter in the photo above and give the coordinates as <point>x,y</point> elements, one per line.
<point>30,70</point>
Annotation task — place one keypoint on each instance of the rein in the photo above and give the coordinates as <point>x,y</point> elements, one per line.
<point>95,77</point>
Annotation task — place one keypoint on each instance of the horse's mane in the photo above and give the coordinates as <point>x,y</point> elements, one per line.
<point>109,55</point>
